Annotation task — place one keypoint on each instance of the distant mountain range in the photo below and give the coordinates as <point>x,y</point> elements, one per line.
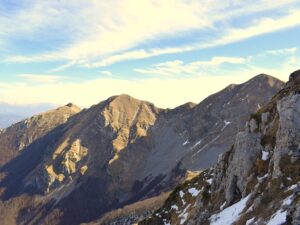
<point>72,166</point>
<point>12,113</point>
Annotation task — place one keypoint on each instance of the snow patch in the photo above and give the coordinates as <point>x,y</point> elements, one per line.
<point>250,221</point>
<point>194,192</point>
<point>181,193</point>
<point>260,179</point>
<point>230,214</point>
<point>209,180</point>
<point>222,206</point>
<point>292,187</point>
<point>165,222</point>
<point>212,141</point>
<point>278,218</point>
<point>250,209</point>
<point>185,143</point>
<point>265,155</point>
<point>288,200</point>
<point>183,216</point>
<point>226,122</point>
<point>197,143</point>
<point>174,207</point>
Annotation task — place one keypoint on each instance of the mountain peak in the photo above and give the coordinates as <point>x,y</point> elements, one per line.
<point>125,98</point>
<point>184,108</point>
<point>72,106</point>
<point>231,86</point>
<point>294,76</point>
<point>129,117</point>
<point>127,104</point>
<point>263,76</point>
<point>266,79</point>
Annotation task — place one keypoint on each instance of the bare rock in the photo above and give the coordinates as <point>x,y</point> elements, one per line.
<point>288,135</point>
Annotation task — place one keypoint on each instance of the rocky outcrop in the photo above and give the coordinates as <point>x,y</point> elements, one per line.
<point>256,181</point>
<point>288,135</point>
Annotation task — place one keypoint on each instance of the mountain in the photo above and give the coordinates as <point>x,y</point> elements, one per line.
<point>10,114</point>
<point>20,135</point>
<point>117,153</point>
<point>256,181</point>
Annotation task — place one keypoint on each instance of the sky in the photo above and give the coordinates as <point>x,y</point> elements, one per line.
<point>168,52</point>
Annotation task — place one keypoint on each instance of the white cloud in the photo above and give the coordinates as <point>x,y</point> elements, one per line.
<point>208,77</point>
<point>259,27</point>
<point>282,51</point>
<point>97,33</point>
<point>178,67</point>
<point>63,67</point>
<point>231,35</point>
<point>110,27</point>
<point>133,55</point>
<point>40,78</point>
<point>107,73</point>
<point>283,61</point>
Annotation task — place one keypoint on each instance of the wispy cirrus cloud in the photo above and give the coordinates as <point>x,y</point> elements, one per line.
<point>178,67</point>
<point>107,73</point>
<point>231,35</point>
<point>287,59</point>
<point>193,88</point>
<point>96,30</point>
<point>282,51</point>
<point>63,67</point>
<point>259,27</point>
<point>40,78</point>
<point>92,35</point>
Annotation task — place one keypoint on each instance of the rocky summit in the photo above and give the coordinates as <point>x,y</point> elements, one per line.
<point>257,181</point>
<point>116,162</point>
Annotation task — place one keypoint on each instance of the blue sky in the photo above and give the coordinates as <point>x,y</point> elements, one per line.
<point>168,52</point>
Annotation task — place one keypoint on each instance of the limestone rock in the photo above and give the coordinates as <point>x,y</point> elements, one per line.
<point>288,135</point>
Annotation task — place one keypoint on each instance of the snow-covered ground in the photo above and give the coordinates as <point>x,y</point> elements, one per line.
<point>278,218</point>
<point>230,214</point>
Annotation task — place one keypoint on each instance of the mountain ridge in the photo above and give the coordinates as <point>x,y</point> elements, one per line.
<point>120,151</point>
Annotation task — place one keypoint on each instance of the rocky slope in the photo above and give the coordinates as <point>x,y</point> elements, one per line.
<point>256,182</point>
<point>20,135</point>
<point>13,113</point>
<point>119,152</point>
